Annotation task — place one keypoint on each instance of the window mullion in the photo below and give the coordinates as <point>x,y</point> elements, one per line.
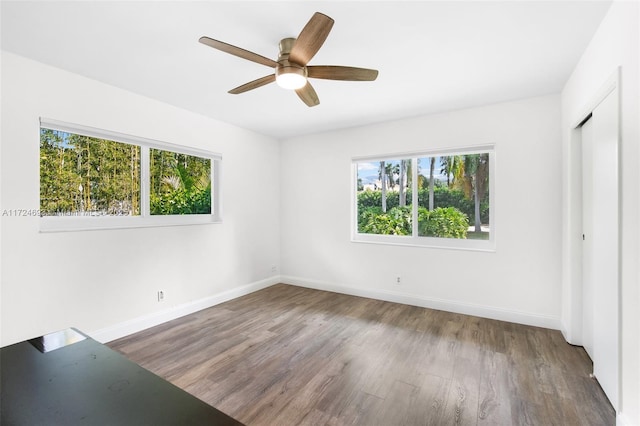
<point>216,198</point>
<point>414,196</point>
<point>144,181</point>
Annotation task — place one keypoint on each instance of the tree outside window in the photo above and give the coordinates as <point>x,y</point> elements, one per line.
<point>453,199</point>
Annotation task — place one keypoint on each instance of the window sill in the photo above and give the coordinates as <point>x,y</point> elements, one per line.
<point>70,224</point>
<point>427,242</point>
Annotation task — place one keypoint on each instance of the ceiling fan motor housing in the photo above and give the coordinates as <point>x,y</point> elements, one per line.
<point>284,65</point>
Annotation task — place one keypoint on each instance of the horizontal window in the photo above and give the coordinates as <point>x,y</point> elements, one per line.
<point>440,199</point>
<point>96,179</point>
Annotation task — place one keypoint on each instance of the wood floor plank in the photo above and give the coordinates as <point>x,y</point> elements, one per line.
<point>494,407</point>
<point>428,407</point>
<point>526,413</point>
<point>400,398</point>
<point>462,402</point>
<point>362,409</point>
<point>288,355</point>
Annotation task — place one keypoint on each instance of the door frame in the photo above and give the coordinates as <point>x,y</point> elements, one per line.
<point>572,221</point>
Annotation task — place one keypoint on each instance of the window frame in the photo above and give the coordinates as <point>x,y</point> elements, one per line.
<point>416,240</point>
<point>145,219</point>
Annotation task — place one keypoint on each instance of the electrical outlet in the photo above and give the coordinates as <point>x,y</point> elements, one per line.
<point>160,295</point>
<point>274,269</point>
<point>398,280</point>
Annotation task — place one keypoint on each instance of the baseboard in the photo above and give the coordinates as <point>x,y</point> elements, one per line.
<point>135,325</point>
<point>568,336</point>
<point>425,302</point>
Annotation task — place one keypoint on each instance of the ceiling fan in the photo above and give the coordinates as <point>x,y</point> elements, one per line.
<point>291,69</point>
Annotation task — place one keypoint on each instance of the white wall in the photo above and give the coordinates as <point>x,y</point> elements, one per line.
<point>614,45</point>
<point>99,279</point>
<point>520,281</point>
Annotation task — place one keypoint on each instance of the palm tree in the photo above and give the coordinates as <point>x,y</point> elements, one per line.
<point>402,184</point>
<point>422,181</point>
<point>476,168</point>
<point>382,174</point>
<point>391,171</point>
<point>452,167</point>
<point>432,165</point>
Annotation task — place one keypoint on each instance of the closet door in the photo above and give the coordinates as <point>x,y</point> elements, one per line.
<point>587,237</point>
<point>601,241</point>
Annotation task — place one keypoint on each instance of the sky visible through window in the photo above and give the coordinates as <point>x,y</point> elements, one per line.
<point>369,171</point>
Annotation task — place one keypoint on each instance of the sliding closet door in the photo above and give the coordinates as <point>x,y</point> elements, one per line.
<point>587,237</point>
<point>601,239</point>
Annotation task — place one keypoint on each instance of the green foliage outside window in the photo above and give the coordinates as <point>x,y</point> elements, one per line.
<point>447,222</point>
<point>397,221</point>
<point>443,197</point>
<point>452,196</point>
<point>180,183</point>
<point>81,175</point>
<point>87,176</point>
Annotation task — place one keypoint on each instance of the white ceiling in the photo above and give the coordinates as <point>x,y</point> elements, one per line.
<point>432,56</point>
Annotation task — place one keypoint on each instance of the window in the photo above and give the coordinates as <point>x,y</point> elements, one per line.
<point>441,199</point>
<point>81,175</point>
<point>95,179</point>
<point>180,183</point>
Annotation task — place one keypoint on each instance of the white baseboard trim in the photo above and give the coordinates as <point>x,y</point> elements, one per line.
<point>568,337</point>
<point>432,303</point>
<point>135,325</point>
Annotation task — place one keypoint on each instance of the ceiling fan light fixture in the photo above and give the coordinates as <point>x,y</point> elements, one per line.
<point>291,81</point>
<point>290,76</point>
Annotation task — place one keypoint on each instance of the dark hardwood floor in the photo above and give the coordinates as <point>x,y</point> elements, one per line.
<point>287,355</point>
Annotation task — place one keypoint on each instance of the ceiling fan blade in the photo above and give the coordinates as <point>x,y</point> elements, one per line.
<point>311,38</point>
<point>253,84</point>
<point>334,72</point>
<point>308,95</point>
<point>237,51</point>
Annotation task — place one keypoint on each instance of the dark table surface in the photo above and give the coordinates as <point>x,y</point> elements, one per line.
<point>86,383</point>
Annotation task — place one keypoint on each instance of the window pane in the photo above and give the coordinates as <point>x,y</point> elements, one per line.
<point>453,196</point>
<point>384,197</point>
<point>179,183</point>
<point>86,176</point>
